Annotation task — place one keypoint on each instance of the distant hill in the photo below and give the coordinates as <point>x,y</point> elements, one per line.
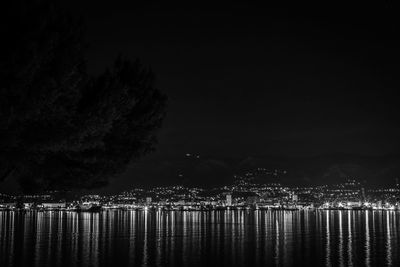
<point>209,172</point>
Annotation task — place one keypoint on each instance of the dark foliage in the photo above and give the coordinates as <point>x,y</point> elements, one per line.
<point>59,127</point>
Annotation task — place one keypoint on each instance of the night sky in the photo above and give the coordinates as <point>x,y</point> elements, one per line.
<point>244,79</point>
<point>248,82</point>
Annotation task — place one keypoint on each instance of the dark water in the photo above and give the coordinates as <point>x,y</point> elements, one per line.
<point>213,238</point>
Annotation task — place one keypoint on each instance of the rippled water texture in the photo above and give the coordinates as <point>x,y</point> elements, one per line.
<point>211,238</point>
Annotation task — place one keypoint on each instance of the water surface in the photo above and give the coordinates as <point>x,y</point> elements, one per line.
<point>204,238</point>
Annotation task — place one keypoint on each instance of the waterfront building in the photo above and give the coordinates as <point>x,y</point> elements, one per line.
<point>229,200</point>
<point>55,205</point>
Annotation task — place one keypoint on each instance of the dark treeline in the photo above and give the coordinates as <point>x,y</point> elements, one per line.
<point>60,128</point>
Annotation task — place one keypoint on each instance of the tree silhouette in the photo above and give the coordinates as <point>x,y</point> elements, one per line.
<point>59,127</point>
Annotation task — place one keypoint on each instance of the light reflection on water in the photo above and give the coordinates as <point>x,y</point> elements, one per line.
<point>180,238</point>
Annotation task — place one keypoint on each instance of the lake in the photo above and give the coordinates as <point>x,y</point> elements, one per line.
<point>200,238</point>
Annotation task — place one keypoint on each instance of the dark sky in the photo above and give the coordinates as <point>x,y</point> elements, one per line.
<point>246,80</point>
<point>250,81</point>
